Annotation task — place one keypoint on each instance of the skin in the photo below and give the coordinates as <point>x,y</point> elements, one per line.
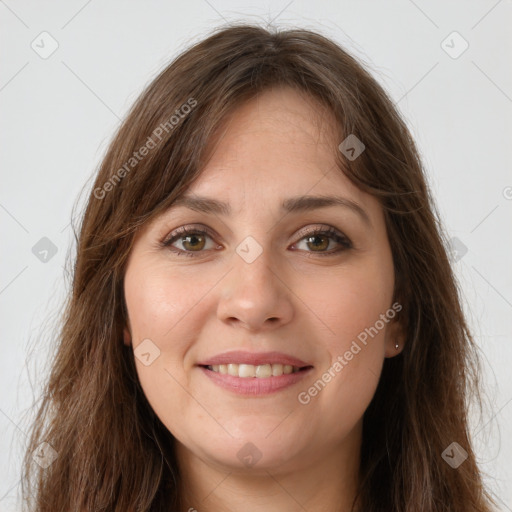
<point>291,299</point>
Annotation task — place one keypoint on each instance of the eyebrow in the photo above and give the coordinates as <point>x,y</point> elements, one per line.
<point>290,205</point>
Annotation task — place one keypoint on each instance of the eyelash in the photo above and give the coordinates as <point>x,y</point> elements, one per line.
<point>190,230</point>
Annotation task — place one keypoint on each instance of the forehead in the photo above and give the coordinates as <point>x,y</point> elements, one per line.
<point>281,116</point>
<point>283,142</point>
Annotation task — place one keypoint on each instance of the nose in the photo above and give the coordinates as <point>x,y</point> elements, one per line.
<point>255,295</point>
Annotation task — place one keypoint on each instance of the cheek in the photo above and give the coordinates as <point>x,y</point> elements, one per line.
<point>159,302</point>
<point>164,307</point>
<point>351,300</point>
<point>352,306</point>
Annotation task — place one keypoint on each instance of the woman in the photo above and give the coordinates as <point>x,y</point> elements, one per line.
<point>263,314</point>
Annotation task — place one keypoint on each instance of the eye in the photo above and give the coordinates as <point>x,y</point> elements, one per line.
<point>194,240</point>
<point>319,239</point>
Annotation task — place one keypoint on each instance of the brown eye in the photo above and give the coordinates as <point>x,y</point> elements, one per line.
<point>319,240</point>
<point>195,240</point>
<point>192,240</point>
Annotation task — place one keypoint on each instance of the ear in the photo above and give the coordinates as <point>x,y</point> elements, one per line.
<point>395,334</point>
<point>127,338</point>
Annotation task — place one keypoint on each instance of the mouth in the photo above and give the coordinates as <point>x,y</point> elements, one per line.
<point>249,380</point>
<point>261,371</point>
<point>254,373</point>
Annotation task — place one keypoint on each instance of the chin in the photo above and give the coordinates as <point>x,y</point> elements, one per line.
<point>254,453</point>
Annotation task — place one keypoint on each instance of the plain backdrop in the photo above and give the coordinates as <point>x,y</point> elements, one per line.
<point>445,64</point>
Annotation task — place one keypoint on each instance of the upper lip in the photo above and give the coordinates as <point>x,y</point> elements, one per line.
<point>254,358</point>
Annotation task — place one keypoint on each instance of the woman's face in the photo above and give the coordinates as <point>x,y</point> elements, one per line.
<point>251,290</point>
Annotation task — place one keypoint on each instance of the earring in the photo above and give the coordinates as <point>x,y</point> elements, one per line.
<point>396,345</point>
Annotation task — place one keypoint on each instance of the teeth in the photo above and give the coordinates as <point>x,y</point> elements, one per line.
<point>261,371</point>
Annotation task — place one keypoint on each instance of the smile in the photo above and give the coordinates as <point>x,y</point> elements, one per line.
<point>254,380</point>
<point>261,371</point>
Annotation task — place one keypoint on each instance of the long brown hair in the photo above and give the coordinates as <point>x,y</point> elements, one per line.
<point>113,453</point>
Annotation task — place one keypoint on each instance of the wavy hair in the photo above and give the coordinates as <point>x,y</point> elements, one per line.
<point>113,453</point>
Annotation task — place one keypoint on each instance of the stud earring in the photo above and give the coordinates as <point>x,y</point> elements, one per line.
<point>396,345</point>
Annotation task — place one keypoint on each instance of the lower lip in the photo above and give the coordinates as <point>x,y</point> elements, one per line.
<point>255,385</point>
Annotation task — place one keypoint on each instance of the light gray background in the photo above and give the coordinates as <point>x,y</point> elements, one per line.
<point>59,113</point>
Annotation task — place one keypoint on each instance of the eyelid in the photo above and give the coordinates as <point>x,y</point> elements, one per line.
<point>319,228</point>
<point>184,230</point>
